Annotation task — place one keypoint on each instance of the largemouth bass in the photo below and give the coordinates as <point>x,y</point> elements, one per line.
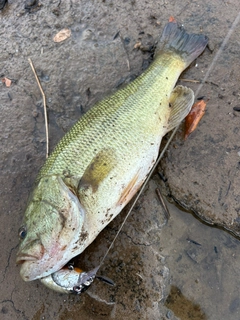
<point>99,165</point>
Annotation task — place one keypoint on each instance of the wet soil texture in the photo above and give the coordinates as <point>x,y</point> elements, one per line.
<point>202,172</point>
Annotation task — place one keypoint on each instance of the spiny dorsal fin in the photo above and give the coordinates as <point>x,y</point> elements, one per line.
<point>180,102</point>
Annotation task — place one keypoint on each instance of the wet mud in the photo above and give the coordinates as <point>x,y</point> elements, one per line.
<point>182,269</point>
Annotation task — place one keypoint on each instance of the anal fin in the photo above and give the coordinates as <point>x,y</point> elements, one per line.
<point>180,102</point>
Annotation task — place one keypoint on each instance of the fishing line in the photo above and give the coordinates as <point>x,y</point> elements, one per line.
<point>225,41</point>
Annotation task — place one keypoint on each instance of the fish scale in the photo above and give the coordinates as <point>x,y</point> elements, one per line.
<point>130,108</point>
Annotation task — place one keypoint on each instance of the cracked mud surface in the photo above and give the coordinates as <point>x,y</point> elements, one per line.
<point>156,269</point>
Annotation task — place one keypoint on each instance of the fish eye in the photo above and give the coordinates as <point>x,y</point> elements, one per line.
<point>22,232</point>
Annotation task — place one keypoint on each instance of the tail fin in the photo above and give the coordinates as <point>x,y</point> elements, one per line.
<point>188,46</point>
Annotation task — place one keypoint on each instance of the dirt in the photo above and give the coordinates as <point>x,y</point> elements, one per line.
<point>156,270</point>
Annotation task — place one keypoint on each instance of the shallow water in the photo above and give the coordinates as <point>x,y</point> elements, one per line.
<point>204,265</point>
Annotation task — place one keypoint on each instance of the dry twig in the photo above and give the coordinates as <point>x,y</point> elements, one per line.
<point>44,106</point>
<point>189,80</point>
<point>166,211</point>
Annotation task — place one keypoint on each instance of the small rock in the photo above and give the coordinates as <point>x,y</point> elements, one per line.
<point>169,314</point>
<point>236,108</point>
<point>35,113</point>
<point>127,40</point>
<point>30,3</point>
<point>56,11</point>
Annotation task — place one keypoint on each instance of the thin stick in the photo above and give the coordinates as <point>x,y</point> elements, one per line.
<point>159,194</point>
<point>44,105</point>
<point>127,60</point>
<point>189,80</point>
<point>216,57</point>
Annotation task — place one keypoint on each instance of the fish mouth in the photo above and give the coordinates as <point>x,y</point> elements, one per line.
<point>26,257</point>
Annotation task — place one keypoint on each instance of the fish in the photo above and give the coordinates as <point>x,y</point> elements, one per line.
<point>100,164</point>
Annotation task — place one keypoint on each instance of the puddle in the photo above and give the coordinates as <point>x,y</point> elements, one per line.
<point>182,307</point>
<point>204,266</point>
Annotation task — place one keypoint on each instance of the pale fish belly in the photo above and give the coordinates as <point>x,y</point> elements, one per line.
<point>118,189</point>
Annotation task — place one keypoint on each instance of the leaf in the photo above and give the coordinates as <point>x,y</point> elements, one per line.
<point>7,81</point>
<point>137,45</point>
<point>194,116</point>
<point>172,19</point>
<point>62,35</point>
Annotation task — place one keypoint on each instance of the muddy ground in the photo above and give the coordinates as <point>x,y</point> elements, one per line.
<point>202,173</point>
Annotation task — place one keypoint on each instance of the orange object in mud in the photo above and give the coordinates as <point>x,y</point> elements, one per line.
<point>172,19</point>
<point>194,116</point>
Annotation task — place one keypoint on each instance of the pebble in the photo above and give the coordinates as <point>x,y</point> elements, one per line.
<point>236,108</point>
<point>169,314</point>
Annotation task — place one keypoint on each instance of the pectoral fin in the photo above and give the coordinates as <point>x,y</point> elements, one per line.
<point>98,169</point>
<point>180,102</point>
